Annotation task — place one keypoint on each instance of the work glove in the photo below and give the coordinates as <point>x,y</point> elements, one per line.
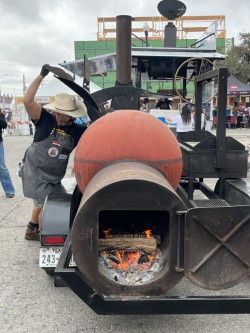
<point>44,71</point>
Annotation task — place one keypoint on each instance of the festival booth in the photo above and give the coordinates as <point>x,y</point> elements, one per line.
<point>238,96</point>
<point>237,91</point>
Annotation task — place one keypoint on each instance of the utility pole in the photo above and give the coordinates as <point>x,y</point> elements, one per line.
<point>1,99</point>
<point>24,86</point>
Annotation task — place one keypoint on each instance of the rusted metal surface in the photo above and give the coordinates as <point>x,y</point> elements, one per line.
<point>142,194</point>
<point>123,49</point>
<point>217,246</point>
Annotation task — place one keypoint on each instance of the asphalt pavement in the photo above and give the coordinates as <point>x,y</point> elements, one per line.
<point>30,303</point>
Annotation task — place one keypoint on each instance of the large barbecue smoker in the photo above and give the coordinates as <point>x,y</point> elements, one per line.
<point>139,222</point>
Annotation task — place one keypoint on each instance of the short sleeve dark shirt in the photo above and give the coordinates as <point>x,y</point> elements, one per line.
<point>3,125</point>
<point>47,123</point>
<point>163,105</point>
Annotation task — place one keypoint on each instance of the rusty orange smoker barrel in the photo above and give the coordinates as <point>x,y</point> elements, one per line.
<point>127,135</point>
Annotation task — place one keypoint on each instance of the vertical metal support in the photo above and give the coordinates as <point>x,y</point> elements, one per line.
<point>190,188</point>
<point>221,183</point>
<point>221,119</point>
<point>138,74</point>
<point>222,74</point>
<point>173,73</point>
<point>180,241</point>
<point>184,87</point>
<point>198,105</point>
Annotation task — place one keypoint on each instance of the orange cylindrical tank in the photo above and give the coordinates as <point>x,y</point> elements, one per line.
<point>127,135</point>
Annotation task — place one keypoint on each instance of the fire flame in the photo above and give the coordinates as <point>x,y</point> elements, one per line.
<point>128,260</point>
<point>107,233</point>
<point>148,233</point>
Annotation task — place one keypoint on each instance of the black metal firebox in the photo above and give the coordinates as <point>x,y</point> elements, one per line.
<point>124,198</point>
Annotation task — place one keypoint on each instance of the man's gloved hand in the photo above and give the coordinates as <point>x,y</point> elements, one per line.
<point>44,71</point>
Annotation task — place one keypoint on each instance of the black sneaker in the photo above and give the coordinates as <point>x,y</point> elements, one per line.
<point>32,234</point>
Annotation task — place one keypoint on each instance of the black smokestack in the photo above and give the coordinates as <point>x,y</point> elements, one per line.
<point>123,49</point>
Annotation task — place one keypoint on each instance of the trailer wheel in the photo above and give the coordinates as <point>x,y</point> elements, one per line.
<point>50,272</point>
<point>59,282</point>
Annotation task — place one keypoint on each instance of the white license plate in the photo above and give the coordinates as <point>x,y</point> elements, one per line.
<point>49,257</point>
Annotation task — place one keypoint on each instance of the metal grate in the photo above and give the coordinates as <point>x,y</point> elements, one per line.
<point>209,203</point>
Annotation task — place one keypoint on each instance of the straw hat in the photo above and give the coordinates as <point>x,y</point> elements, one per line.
<point>68,105</point>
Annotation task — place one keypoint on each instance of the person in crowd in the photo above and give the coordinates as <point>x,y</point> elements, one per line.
<point>235,109</point>
<point>8,116</point>
<point>5,178</point>
<point>46,160</point>
<point>142,106</point>
<point>149,104</point>
<point>214,112</point>
<point>184,121</point>
<point>203,118</point>
<point>228,111</point>
<point>163,103</point>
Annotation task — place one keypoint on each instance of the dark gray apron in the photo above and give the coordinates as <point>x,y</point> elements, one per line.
<point>45,165</point>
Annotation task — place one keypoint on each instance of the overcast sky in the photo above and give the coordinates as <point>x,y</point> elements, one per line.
<point>43,31</point>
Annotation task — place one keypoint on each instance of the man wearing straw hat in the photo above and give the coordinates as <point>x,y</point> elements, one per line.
<point>46,160</point>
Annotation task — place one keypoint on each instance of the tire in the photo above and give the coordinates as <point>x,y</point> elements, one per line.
<point>50,272</point>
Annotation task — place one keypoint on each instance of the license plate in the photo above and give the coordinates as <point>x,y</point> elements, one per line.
<point>49,257</point>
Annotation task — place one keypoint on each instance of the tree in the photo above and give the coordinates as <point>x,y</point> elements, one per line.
<point>238,59</point>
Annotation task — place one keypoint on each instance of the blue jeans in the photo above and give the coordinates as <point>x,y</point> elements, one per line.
<point>4,174</point>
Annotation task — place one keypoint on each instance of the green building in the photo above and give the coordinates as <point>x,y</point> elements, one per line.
<point>97,48</point>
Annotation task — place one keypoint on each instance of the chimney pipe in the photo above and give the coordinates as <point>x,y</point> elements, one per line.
<point>123,49</point>
<point>170,35</point>
<point>123,65</point>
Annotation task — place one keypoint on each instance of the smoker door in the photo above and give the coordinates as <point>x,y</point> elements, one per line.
<point>216,249</point>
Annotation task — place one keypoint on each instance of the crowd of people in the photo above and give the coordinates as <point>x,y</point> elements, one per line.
<point>163,103</point>
<point>237,115</point>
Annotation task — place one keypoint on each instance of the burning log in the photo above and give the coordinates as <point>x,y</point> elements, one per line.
<point>147,245</point>
<point>143,258</point>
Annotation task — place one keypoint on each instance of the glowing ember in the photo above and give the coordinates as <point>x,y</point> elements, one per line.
<point>130,266</point>
<point>131,270</point>
<point>124,260</point>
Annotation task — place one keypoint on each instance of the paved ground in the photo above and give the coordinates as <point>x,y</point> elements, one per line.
<point>30,303</point>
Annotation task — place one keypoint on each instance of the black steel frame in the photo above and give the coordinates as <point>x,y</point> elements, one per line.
<point>103,305</point>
